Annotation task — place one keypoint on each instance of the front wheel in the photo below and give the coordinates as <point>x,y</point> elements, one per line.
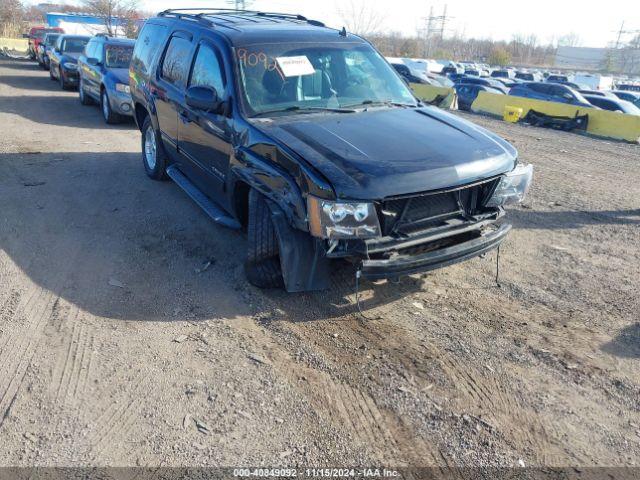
<point>84,98</point>
<point>262,267</point>
<point>63,84</point>
<point>153,156</point>
<point>51,77</point>
<point>107,113</point>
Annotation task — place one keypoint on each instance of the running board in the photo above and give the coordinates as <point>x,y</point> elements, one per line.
<point>214,211</point>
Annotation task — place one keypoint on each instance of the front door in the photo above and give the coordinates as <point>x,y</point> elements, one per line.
<point>168,91</point>
<point>204,138</point>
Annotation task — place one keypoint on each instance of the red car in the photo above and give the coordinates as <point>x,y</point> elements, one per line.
<point>36,35</point>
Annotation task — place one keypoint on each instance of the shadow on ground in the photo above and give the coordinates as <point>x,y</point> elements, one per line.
<point>571,219</point>
<point>626,344</point>
<point>93,229</point>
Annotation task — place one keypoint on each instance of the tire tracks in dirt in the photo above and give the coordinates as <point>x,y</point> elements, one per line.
<point>348,408</point>
<point>32,313</point>
<point>72,371</point>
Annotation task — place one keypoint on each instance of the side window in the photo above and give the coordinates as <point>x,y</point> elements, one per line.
<point>207,70</point>
<point>98,49</point>
<point>148,44</point>
<point>175,65</point>
<point>89,49</point>
<point>540,88</point>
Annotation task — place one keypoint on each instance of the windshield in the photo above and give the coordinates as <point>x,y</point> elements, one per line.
<point>288,77</point>
<point>74,45</point>
<point>50,40</point>
<point>119,56</point>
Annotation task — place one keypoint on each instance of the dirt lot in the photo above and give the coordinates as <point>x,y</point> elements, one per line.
<point>117,346</point>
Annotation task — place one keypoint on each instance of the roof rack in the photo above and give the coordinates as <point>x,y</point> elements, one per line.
<point>204,12</point>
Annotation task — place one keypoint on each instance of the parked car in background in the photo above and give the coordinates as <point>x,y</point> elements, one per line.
<point>504,73</point>
<point>36,35</point>
<point>528,76</point>
<point>555,78</point>
<point>440,81</point>
<point>508,82</point>
<point>594,81</point>
<point>598,93</point>
<point>613,104</point>
<point>487,82</point>
<point>317,166</point>
<point>550,92</point>
<point>575,86</point>
<point>63,59</point>
<point>406,73</point>
<point>468,92</point>
<point>104,76</point>
<point>633,97</point>
<point>43,49</point>
<point>452,70</point>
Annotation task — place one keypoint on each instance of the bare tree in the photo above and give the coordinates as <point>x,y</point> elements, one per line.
<point>240,4</point>
<point>359,17</point>
<point>118,15</point>
<point>570,40</point>
<point>11,14</point>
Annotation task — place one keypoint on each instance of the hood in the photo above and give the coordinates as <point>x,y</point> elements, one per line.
<point>71,57</point>
<point>387,152</point>
<point>119,75</point>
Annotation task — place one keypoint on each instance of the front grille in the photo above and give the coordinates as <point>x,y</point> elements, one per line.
<point>432,209</point>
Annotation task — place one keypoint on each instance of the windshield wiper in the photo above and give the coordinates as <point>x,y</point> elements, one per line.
<point>367,103</point>
<point>297,108</point>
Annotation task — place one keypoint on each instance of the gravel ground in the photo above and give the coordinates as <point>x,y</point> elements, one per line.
<point>129,335</point>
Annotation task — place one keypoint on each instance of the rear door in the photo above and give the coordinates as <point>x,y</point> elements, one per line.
<point>171,81</point>
<point>204,138</point>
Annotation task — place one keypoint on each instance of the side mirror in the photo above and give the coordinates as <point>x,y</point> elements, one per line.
<point>93,61</point>
<point>204,98</point>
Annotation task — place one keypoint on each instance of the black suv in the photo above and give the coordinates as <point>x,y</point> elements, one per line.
<point>309,139</point>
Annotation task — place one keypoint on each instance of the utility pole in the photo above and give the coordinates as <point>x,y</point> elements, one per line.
<point>435,26</point>
<point>620,35</point>
<point>443,22</point>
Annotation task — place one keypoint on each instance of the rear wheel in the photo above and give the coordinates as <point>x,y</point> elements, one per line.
<point>153,155</point>
<point>262,267</point>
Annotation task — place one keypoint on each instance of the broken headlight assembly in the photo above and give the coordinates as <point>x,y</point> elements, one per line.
<point>342,220</point>
<point>513,187</point>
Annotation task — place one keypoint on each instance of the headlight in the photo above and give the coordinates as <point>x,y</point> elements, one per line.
<point>121,87</point>
<point>513,187</point>
<point>329,219</point>
<point>70,66</point>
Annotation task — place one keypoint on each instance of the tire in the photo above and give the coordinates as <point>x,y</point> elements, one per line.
<point>262,267</point>
<point>51,77</point>
<point>108,114</point>
<point>84,98</point>
<point>63,84</point>
<point>156,169</point>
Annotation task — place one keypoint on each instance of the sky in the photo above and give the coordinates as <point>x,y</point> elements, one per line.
<point>596,23</point>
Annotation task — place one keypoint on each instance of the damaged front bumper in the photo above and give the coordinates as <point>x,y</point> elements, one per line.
<point>393,256</point>
<point>406,262</point>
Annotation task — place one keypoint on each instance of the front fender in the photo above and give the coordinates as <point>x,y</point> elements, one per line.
<point>272,181</point>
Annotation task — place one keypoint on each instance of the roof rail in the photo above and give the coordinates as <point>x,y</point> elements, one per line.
<point>203,12</point>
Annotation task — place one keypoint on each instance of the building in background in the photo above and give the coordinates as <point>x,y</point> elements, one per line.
<point>77,23</point>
